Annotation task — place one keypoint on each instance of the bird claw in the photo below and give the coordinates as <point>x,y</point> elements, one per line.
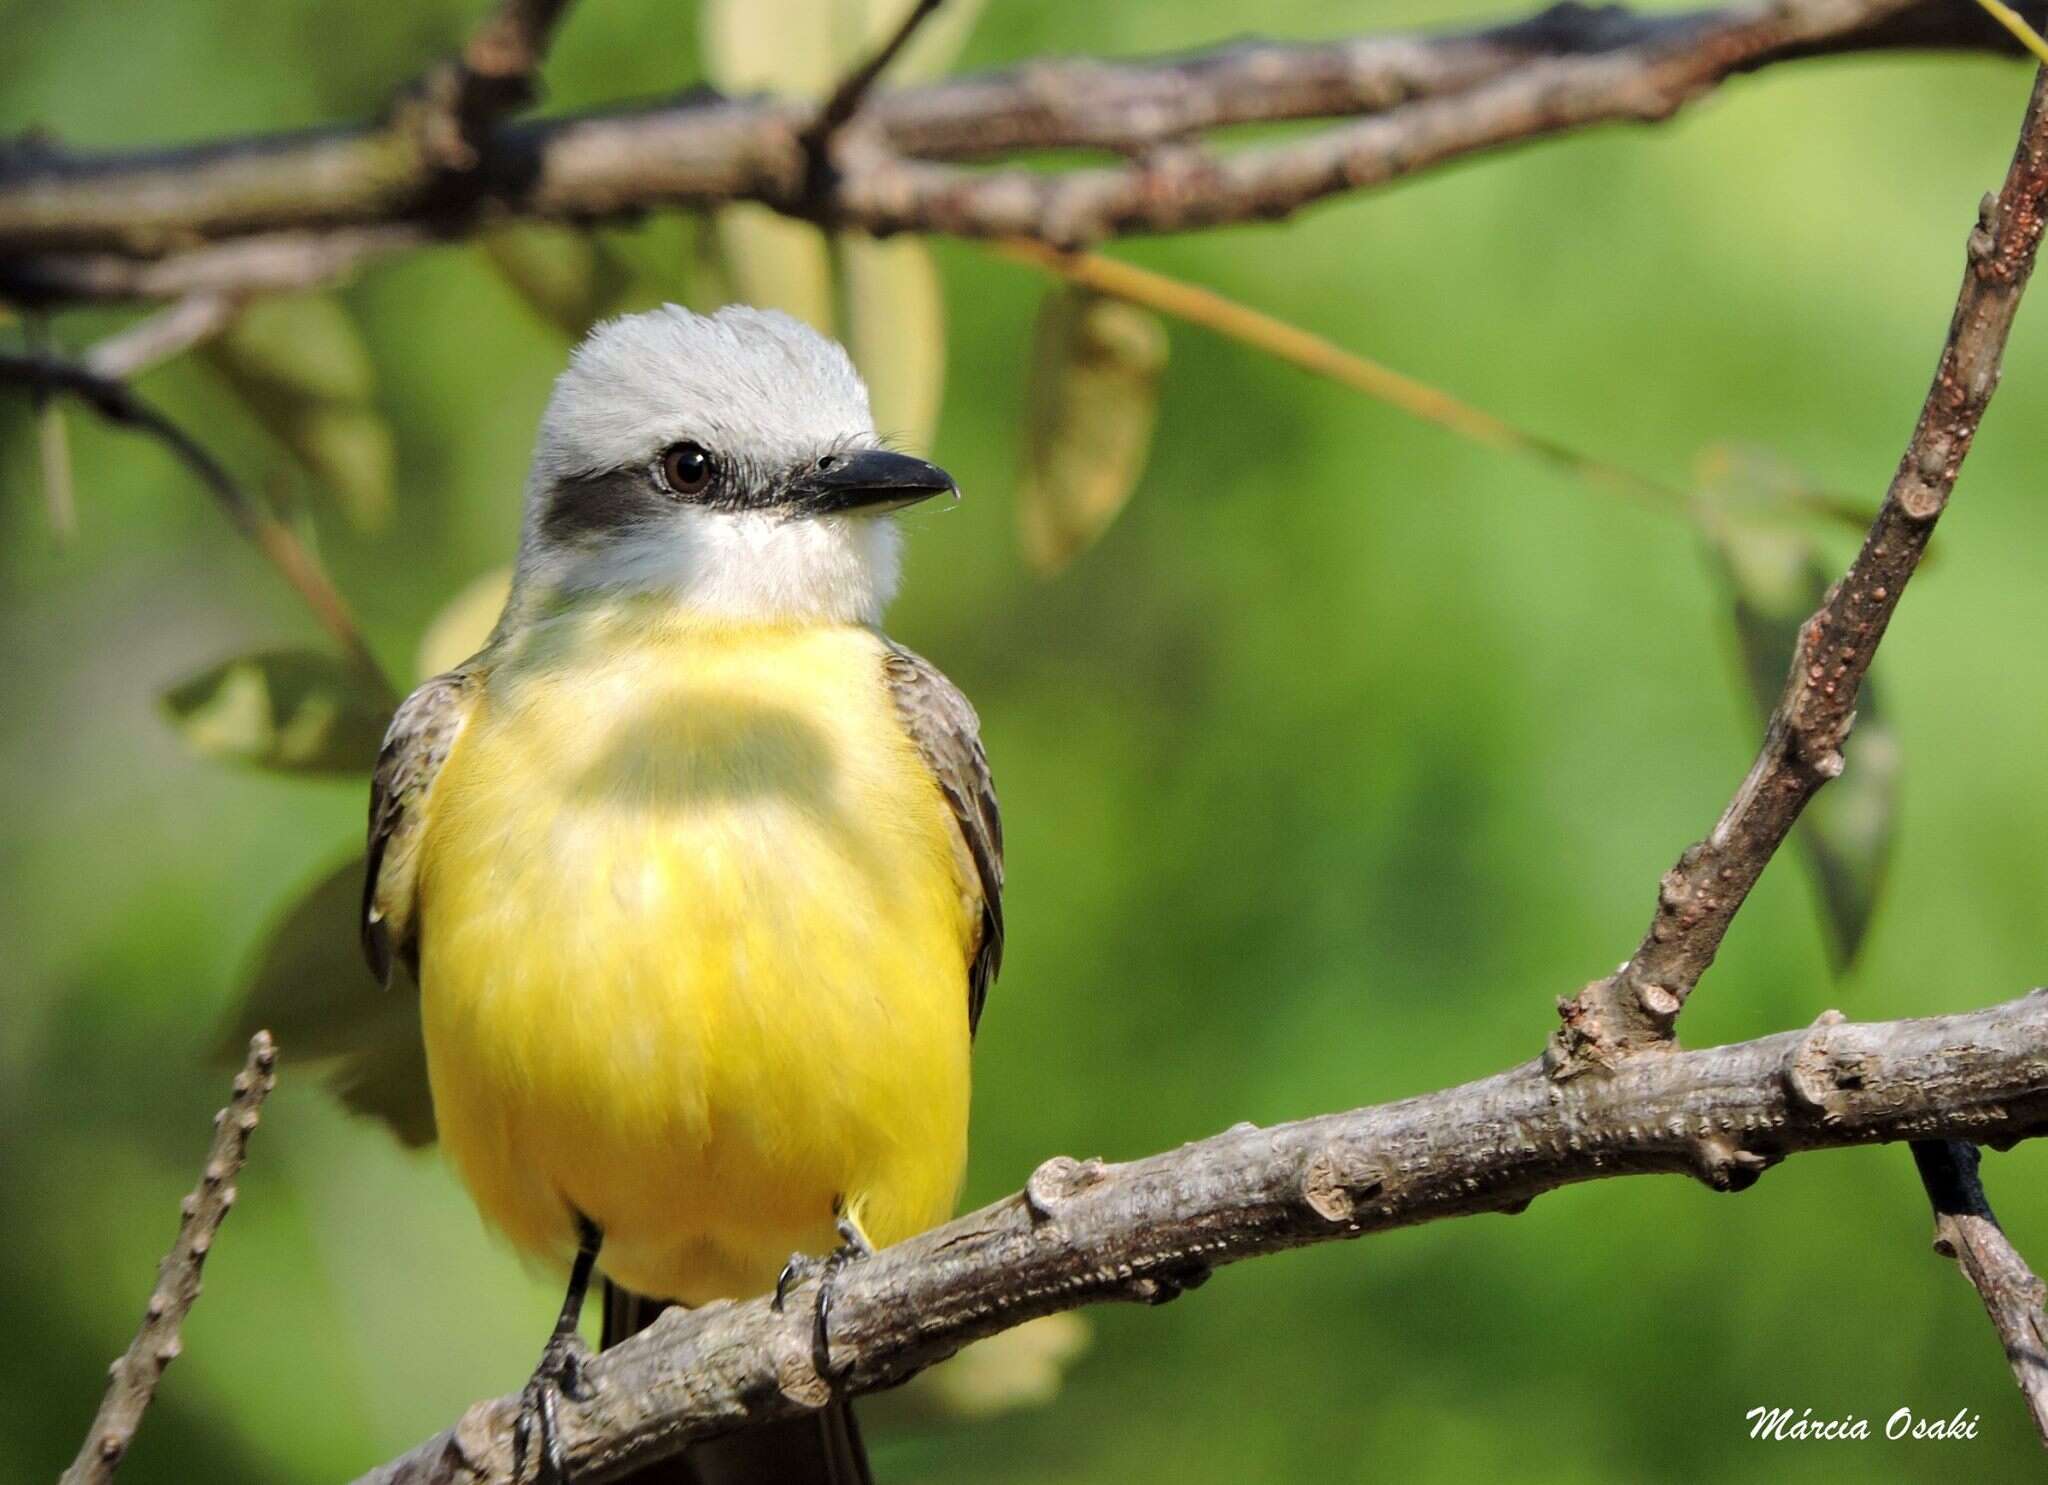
<point>559,1375</point>
<point>853,1245</point>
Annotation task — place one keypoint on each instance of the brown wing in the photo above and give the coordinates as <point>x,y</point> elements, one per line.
<point>422,732</point>
<point>948,734</point>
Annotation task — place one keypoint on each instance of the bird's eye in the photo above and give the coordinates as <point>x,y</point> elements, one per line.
<point>686,469</point>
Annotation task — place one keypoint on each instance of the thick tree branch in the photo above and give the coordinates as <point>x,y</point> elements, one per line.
<point>1082,1232</point>
<point>133,1379</point>
<point>1966,1230</point>
<point>287,211</point>
<point>1636,1006</point>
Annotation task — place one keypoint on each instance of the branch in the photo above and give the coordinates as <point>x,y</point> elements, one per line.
<point>134,1376</point>
<point>1966,1230</point>
<point>275,539</point>
<point>854,88</point>
<point>506,50</point>
<point>169,332</point>
<point>450,111</point>
<point>274,211</point>
<point>1637,1006</point>
<point>1084,1232</point>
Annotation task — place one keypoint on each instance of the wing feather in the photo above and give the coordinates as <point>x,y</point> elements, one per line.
<point>943,725</point>
<point>421,733</point>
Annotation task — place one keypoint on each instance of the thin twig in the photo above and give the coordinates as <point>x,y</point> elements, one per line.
<point>169,332</point>
<point>132,1381</point>
<point>1637,1006</point>
<point>853,89</point>
<point>1966,1230</point>
<point>2014,22</point>
<point>510,44</point>
<point>276,540</point>
<point>447,115</point>
<point>248,214</point>
<point>1084,1232</point>
<point>1312,353</point>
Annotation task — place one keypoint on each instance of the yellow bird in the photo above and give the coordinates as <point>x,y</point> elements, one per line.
<point>699,872</point>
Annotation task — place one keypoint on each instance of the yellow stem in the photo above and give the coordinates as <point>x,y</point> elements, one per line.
<point>2011,19</point>
<point>1212,311</point>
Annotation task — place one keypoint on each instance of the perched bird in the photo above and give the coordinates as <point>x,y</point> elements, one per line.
<point>699,872</point>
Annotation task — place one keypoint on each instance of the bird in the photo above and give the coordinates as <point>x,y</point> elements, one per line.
<point>698,872</point>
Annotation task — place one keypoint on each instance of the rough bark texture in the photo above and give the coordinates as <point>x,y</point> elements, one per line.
<point>277,212</point>
<point>1085,1231</point>
<point>1636,1006</point>
<point>2014,1298</point>
<point>132,1381</point>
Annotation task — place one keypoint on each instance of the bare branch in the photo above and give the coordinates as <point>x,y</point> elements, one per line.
<point>133,1379</point>
<point>167,333</point>
<point>254,213</point>
<point>853,90</point>
<point>448,113</point>
<point>276,540</point>
<point>1637,1005</point>
<point>1083,1232</point>
<point>508,47</point>
<point>1966,1230</point>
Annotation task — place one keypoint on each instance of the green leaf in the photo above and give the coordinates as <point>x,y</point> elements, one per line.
<point>350,451</point>
<point>310,987</point>
<point>297,711</point>
<point>1764,529</point>
<point>570,278</point>
<point>303,370</point>
<point>1094,396</point>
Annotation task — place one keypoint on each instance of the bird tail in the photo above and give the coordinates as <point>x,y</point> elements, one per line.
<point>821,1448</point>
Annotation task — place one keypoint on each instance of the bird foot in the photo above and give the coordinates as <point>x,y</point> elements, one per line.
<point>853,1245</point>
<point>559,1375</point>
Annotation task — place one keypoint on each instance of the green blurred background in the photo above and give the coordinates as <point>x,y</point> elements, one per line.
<point>1347,749</point>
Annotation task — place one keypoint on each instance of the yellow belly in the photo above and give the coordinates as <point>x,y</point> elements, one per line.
<point>693,954</point>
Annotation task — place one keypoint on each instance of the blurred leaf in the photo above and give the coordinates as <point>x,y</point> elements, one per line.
<point>775,263</point>
<point>302,369</point>
<point>896,332</point>
<point>54,446</point>
<point>708,280</point>
<point>350,451</point>
<point>569,277</point>
<point>780,46</point>
<point>305,348</point>
<point>311,989</point>
<point>1006,1373</point>
<point>464,623</point>
<point>1095,371</point>
<point>300,711</point>
<point>1764,532</point>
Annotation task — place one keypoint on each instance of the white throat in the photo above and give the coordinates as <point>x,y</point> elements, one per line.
<point>741,567</point>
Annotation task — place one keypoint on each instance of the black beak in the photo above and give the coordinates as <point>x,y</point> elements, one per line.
<point>868,480</point>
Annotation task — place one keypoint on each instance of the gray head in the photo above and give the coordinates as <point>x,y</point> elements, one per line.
<point>728,461</point>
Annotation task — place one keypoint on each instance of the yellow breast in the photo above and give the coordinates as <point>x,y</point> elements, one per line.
<point>694,937</point>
